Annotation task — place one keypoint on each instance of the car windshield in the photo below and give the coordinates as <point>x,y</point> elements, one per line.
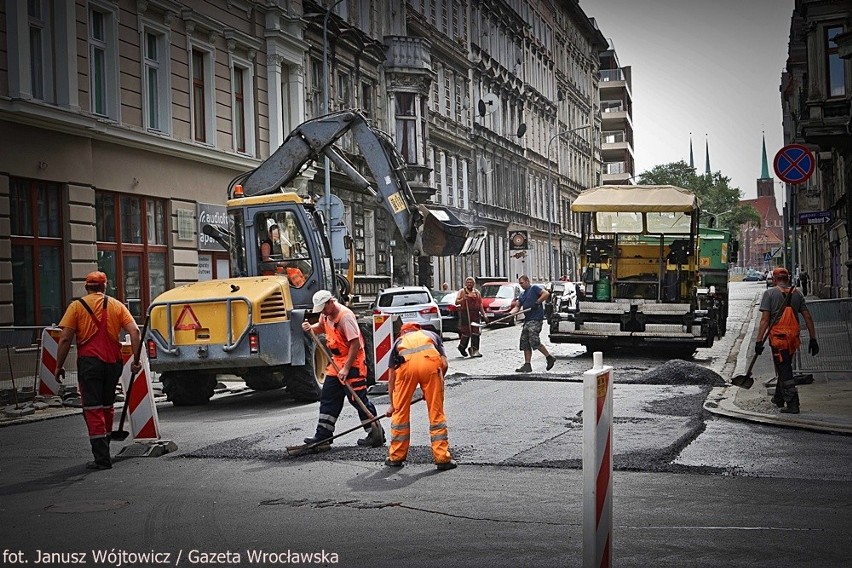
<point>449,298</point>
<point>498,291</point>
<point>404,299</point>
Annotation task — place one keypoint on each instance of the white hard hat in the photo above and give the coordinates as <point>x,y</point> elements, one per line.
<point>321,298</point>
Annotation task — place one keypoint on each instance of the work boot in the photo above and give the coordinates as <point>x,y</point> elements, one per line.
<point>792,406</point>
<point>373,440</point>
<point>551,361</point>
<point>463,351</point>
<point>100,450</point>
<point>779,402</point>
<point>525,368</point>
<point>319,437</point>
<point>394,463</point>
<point>446,465</point>
<point>475,352</point>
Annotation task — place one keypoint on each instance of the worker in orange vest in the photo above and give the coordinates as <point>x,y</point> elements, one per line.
<point>417,358</point>
<point>296,276</point>
<point>96,321</point>
<point>346,345</point>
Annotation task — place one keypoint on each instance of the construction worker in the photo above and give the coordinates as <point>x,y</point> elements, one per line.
<point>344,342</point>
<point>417,358</point>
<point>96,320</point>
<point>772,305</point>
<point>530,301</point>
<point>469,301</point>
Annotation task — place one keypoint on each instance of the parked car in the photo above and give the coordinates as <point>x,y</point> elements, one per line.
<point>497,300</point>
<point>411,304</point>
<point>449,310</point>
<point>753,276</point>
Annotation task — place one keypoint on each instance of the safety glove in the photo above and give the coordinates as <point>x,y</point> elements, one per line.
<point>758,347</point>
<point>813,346</point>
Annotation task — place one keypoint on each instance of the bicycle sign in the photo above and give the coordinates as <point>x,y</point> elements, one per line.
<point>794,163</point>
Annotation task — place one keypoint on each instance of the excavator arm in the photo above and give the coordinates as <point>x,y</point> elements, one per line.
<point>431,231</point>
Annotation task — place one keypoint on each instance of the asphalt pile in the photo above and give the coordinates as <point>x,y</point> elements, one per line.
<point>679,372</point>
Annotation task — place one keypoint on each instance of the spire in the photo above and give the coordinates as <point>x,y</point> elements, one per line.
<point>691,160</point>
<point>707,152</point>
<point>764,170</point>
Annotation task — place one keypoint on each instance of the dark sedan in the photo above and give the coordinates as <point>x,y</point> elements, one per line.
<point>449,310</point>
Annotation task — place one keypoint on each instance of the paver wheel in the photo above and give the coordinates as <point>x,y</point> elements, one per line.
<point>264,379</point>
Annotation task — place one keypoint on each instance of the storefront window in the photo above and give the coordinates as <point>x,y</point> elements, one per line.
<point>35,209</point>
<point>132,254</point>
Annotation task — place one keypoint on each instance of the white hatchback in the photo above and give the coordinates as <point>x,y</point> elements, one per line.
<point>411,304</point>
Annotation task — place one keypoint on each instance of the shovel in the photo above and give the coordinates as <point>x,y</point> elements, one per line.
<point>121,434</point>
<point>745,381</point>
<point>373,421</point>
<point>489,324</point>
<point>299,450</point>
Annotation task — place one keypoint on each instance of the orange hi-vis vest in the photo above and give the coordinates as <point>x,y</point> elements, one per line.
<point>338,345</point>
<point>417,345</point>
<point>296,277</point>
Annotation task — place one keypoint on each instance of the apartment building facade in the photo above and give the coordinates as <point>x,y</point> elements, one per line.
<point>130,118</point>
<point>617,120</point>
<point>816,97</point>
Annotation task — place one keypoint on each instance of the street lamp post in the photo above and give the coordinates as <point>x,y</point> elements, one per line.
<point>327,162</point>
<point>550,199</point>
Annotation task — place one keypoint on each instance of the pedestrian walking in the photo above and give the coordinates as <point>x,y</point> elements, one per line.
<point>346,345</point>
<point>783,331</point>
<point>469,301</point>
<point>417,358</point>
<point>532,298</point>
<point>804,280</point>
<point>96,321</point>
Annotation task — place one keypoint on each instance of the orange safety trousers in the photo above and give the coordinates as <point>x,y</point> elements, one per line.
<point>422,368</point>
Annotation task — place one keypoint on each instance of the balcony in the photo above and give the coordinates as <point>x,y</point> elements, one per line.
<point>405,52</point>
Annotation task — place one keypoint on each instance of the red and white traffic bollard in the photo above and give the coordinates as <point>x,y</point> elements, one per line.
<point>597,465</point>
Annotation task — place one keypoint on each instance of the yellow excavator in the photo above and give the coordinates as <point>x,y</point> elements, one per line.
<point>283,249</point>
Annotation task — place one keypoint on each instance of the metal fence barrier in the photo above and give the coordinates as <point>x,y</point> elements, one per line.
<point>833,323</point>
<point>19,363</point>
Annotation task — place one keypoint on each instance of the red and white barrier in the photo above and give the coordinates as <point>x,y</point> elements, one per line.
<point>597,465</point>
<point>382,342</point>
<point>142,411</point>
<point>47,385</point>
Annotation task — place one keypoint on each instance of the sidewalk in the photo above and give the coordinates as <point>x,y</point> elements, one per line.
<point>826,404</point>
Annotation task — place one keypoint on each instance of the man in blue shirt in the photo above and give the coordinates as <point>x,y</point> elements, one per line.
<point>531,299</point>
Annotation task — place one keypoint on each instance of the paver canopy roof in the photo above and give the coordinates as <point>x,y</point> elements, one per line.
<point>635,198</point>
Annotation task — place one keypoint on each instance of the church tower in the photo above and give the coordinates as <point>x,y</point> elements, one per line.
<point>765,185</point>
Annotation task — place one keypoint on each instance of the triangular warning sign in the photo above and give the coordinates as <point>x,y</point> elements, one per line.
<point>187,313</point>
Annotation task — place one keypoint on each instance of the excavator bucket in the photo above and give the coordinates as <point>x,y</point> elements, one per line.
<point>444,234</point>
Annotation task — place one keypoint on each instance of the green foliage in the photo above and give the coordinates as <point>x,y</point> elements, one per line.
<point>713,190</point>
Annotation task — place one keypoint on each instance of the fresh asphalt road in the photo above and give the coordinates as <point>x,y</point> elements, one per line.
<point>689,488</point>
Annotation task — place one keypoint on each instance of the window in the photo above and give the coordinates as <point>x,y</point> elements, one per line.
<point>40,50</point>
<point>155,79</point>
<point>451,180</point>
<point>103,63</point>
<point>835,68</point>
<point>317,88</point>
<point>344,95</point>
<point>364,16</point>
<point>199,97</point>
<point>131,233</point>
<point>406,126</point>
<point>367,99</point>
<point>239,110</point>
<point>37,244</point>
<point>243,106</point>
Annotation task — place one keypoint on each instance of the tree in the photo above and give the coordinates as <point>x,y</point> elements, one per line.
<point>720,203</point>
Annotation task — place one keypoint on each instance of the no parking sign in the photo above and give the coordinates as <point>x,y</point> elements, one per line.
<point>794,163</point>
